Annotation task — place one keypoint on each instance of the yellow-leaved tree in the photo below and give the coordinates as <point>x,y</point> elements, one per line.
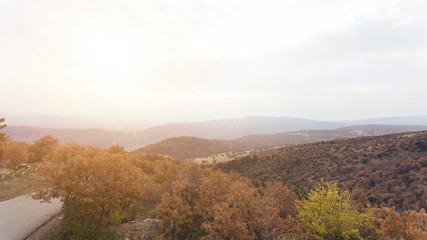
<point>95,186</point>
<point>329,213</point>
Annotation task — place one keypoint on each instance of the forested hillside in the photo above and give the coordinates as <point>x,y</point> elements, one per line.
<point>389,170</point>
<point>192,147</point>
<point>103,191</point>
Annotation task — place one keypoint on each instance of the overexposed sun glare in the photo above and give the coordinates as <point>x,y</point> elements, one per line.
<point>112,52</point>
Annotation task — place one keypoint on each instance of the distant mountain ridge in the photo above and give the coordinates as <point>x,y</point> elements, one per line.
<point>403,120</point>
<point>57,121</point>
<point>234,128</point>
<point>88,137</point>
<point>226,129</point>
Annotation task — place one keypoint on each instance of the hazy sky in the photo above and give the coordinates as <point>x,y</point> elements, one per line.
<point>210,59</point>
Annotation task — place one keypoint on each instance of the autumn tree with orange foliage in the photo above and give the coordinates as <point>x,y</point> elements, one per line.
<point>15,153</point>
<point>180,213</point>
<point>42,149</point>
<point>233,209</point>
<point>95,186</point>
<point>221,206</point>
<point>411,225</point>
<point>281,198</point>
<point>116,149</point>
<point>159,172</point>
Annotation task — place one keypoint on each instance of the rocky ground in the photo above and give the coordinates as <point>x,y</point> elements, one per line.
<point>146,229</point>
<point>51,230</point>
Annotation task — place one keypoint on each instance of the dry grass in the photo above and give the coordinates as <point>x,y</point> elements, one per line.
<point>221,157</point>
<point>19,185</point>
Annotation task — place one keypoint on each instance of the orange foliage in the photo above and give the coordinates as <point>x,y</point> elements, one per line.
<point>42,149</point>
<point>14,152</point>
<point>96,187</point>
<point>214,205</point>
<point>411,225</point>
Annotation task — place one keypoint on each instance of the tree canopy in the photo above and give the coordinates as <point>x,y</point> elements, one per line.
<point>95,186</point>
<point>42,149</point>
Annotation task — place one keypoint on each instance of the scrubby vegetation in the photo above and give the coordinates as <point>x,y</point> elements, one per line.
<point>385,170</point>
<point>102,188</point>
<point>96,187</point>
<point>214,205</point>
<point>373,188</point>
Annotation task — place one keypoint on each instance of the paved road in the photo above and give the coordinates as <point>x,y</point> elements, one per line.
<point>22,215</point>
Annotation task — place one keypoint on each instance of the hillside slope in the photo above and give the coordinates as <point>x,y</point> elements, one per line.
<point>192,147</point>
<point>389,170</point>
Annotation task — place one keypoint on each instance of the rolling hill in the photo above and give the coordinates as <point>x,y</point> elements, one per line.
<point>388,170</point>
<point>132,140</point>
<point>226,129</point>
<point>192,147</point>
<point>235,128</point>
